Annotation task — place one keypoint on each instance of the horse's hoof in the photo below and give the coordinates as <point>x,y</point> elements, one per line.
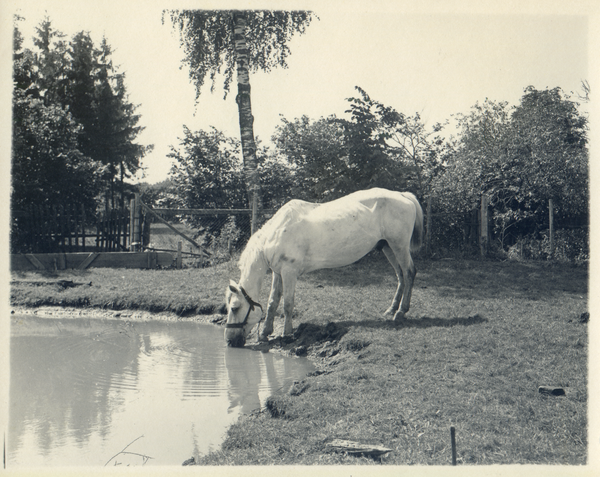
<point>399,317</point>
<point>389,312</point>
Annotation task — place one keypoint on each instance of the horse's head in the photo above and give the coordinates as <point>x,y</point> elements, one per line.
<point>242,315</point>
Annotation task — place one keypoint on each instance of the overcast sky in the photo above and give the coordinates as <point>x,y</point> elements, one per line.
<point>435,61</point>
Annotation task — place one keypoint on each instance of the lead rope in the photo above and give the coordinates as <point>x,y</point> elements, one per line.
<point>252,305</point>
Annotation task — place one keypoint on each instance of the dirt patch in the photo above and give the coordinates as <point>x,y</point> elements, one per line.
<point>309,339</point>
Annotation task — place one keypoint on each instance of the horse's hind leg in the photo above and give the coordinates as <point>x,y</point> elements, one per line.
<point>409,271</point>
<point>274,299</point>
<point>398,295</point>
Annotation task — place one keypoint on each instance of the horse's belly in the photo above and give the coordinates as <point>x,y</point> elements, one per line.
<point>338,248</point>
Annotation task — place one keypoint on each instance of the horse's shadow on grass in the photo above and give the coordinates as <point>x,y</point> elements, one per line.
<point>423,322</point>
<point>311,334</point>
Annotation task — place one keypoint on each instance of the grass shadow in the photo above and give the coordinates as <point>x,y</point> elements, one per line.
<point>423,322</point>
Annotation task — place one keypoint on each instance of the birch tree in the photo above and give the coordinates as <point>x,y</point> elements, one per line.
<point>219,42</point>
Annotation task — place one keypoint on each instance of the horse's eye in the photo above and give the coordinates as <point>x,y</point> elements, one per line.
<point>235,308</point>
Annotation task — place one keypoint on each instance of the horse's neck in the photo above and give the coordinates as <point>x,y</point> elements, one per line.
<point>252,275</point>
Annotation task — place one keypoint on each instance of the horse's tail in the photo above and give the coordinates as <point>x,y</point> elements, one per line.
<point>417,236</point>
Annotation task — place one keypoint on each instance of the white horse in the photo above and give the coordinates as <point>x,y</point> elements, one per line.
<point>302,237</point>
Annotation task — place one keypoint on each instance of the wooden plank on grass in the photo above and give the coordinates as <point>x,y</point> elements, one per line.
<point>356,448</point>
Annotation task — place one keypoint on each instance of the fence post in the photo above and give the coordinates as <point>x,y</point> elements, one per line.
<point>551,220</point>
<point>135,223</point>
<point>483,236</point>
<point>131,220</point>
<point>83,235</point>
<point>179,244</point>
<point>429,223</point>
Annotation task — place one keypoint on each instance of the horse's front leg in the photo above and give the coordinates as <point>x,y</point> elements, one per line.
<point>274,299</point>
<point>289,287</point>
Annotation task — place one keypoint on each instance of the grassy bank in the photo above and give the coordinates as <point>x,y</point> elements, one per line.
<point>479,341</point>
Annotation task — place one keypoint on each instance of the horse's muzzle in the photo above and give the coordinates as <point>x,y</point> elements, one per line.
<point>235,338</point>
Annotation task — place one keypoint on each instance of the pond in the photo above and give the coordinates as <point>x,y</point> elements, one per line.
<point>106,392</point>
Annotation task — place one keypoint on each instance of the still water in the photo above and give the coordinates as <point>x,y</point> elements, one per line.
<point>104,392</point>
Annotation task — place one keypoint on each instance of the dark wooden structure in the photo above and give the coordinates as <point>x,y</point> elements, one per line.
<point>82,260</point>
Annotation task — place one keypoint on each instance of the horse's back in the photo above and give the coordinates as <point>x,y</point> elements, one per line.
<point>312,236</point>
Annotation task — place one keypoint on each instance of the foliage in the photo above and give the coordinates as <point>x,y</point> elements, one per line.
<point>569,246</point>
<point>162,194</point>
<point>316,154</point>
<point>376,147</point>
<point>519,157</point>
<point>550,139</point>
<point>279,180</point>
<point>207,38</point>
<point>78,78</point>
<point>395,150</point>
<point>48,168</point>
<point>207,172</point>
<point>247,40</point>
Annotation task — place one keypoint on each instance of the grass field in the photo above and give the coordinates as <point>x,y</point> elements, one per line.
<point>480,338</point>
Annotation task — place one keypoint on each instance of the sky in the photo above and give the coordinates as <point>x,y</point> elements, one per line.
<point>436,59</point>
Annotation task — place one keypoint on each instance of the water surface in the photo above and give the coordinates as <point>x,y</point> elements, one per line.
<point>94,392</point>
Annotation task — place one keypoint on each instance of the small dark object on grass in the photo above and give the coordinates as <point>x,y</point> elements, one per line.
<point>551,390</point>
<point>71,284</point>
<point>584,318</point>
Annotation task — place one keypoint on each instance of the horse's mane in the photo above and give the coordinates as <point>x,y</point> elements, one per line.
<point>253,250</point>
<point>256,244</point>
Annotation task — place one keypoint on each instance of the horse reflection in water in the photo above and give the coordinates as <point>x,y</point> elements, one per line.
<point>302,237</point>
<point>252,376</point>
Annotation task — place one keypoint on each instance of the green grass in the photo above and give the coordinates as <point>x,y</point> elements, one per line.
<point>184,292</point>
<point>480,338</point>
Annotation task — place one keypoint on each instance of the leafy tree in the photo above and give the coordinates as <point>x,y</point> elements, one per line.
<point>97,95</point>
<point>550,138</point>
<point>279,179</point>
<point>206,172</point>
<point>477,164</point>
<point>79,78</point>
<point>316,153</point>
<point>47,166</point>
<point>159,195</point>
<point>224,41</point>
<point>376,147</point>
<point>519,157</point>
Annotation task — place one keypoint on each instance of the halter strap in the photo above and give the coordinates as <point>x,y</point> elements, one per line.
<point>252,305</point>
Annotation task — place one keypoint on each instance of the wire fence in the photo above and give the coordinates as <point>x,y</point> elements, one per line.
<point>203,237</point>
<point>208,237</point>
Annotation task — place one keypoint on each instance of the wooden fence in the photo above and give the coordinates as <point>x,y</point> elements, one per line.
<point>69,228</point>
